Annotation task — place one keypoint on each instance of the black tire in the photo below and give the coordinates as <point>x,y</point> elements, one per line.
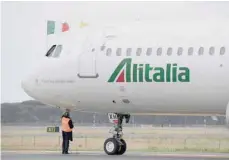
<point>122,148</point>
<point>113,148</point>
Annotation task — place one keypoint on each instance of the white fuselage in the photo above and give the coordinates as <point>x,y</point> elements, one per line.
<point>195,83</point>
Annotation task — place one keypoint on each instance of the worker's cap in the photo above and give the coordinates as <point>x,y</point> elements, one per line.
<point>66,114</point>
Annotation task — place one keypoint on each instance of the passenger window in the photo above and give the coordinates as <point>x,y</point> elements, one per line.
<point>139,51</point>
<point>118,52</point>
<point>190,51</point>
<point>179,51</point>
<point>128,51</point>
<point>57,51</point>
<point>109,52</point>
<point>50,51</point>
<point>201,51</point>
<point>211,50</point>
<point>222,50</point>
<point>159,51</point>
<point>149,51</point>
<point>169,51</point>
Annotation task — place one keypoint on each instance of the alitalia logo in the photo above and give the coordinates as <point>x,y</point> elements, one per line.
<point>127,71</point>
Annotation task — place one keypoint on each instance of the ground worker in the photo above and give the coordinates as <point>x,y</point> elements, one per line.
<point>67,127</point>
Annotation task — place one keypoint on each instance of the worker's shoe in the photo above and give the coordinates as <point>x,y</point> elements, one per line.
<point>65,153</point>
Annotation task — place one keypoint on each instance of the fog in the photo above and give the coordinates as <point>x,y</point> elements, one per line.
<point>23,27</point>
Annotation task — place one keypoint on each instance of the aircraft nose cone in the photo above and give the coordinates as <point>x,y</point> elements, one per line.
<point>27,85</point>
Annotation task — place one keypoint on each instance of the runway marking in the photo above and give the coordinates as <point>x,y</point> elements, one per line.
<point>99,153</point>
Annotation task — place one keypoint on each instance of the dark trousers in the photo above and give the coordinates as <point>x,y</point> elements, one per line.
<point>65,143</point>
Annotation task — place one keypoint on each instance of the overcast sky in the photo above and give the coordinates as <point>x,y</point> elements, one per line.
<point>23,27</point>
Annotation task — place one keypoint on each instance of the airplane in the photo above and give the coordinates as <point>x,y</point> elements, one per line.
<point>137,69</point>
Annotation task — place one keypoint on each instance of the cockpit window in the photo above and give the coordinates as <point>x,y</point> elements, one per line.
<point>54,51</point>
<point>50,51</point>
<point>57,51</point>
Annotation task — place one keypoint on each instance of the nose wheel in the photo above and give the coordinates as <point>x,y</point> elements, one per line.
<point>116,145</point>
<point>113,147</point>
<point>122,148</point>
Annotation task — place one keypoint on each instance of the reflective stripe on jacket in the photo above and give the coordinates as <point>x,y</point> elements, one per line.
<point>65,125</point>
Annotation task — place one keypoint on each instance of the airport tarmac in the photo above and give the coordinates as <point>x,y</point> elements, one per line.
<point>28,155</point>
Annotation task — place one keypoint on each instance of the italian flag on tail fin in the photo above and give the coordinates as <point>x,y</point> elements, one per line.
<point>54,27</point>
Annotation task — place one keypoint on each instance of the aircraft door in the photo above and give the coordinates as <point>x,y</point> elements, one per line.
<point>87,61</point>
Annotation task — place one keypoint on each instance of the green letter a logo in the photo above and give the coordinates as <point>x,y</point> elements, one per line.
<point>119,74</point>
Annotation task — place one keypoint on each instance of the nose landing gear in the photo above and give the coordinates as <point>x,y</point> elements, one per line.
<point>116,145</point>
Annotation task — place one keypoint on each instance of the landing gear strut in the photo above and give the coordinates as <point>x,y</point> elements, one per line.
<point>116,145</point>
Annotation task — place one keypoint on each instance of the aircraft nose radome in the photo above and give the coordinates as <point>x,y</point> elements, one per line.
<point>27,85</point>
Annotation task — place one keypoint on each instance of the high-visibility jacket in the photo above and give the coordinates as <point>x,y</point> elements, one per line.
<point>65,124</point>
